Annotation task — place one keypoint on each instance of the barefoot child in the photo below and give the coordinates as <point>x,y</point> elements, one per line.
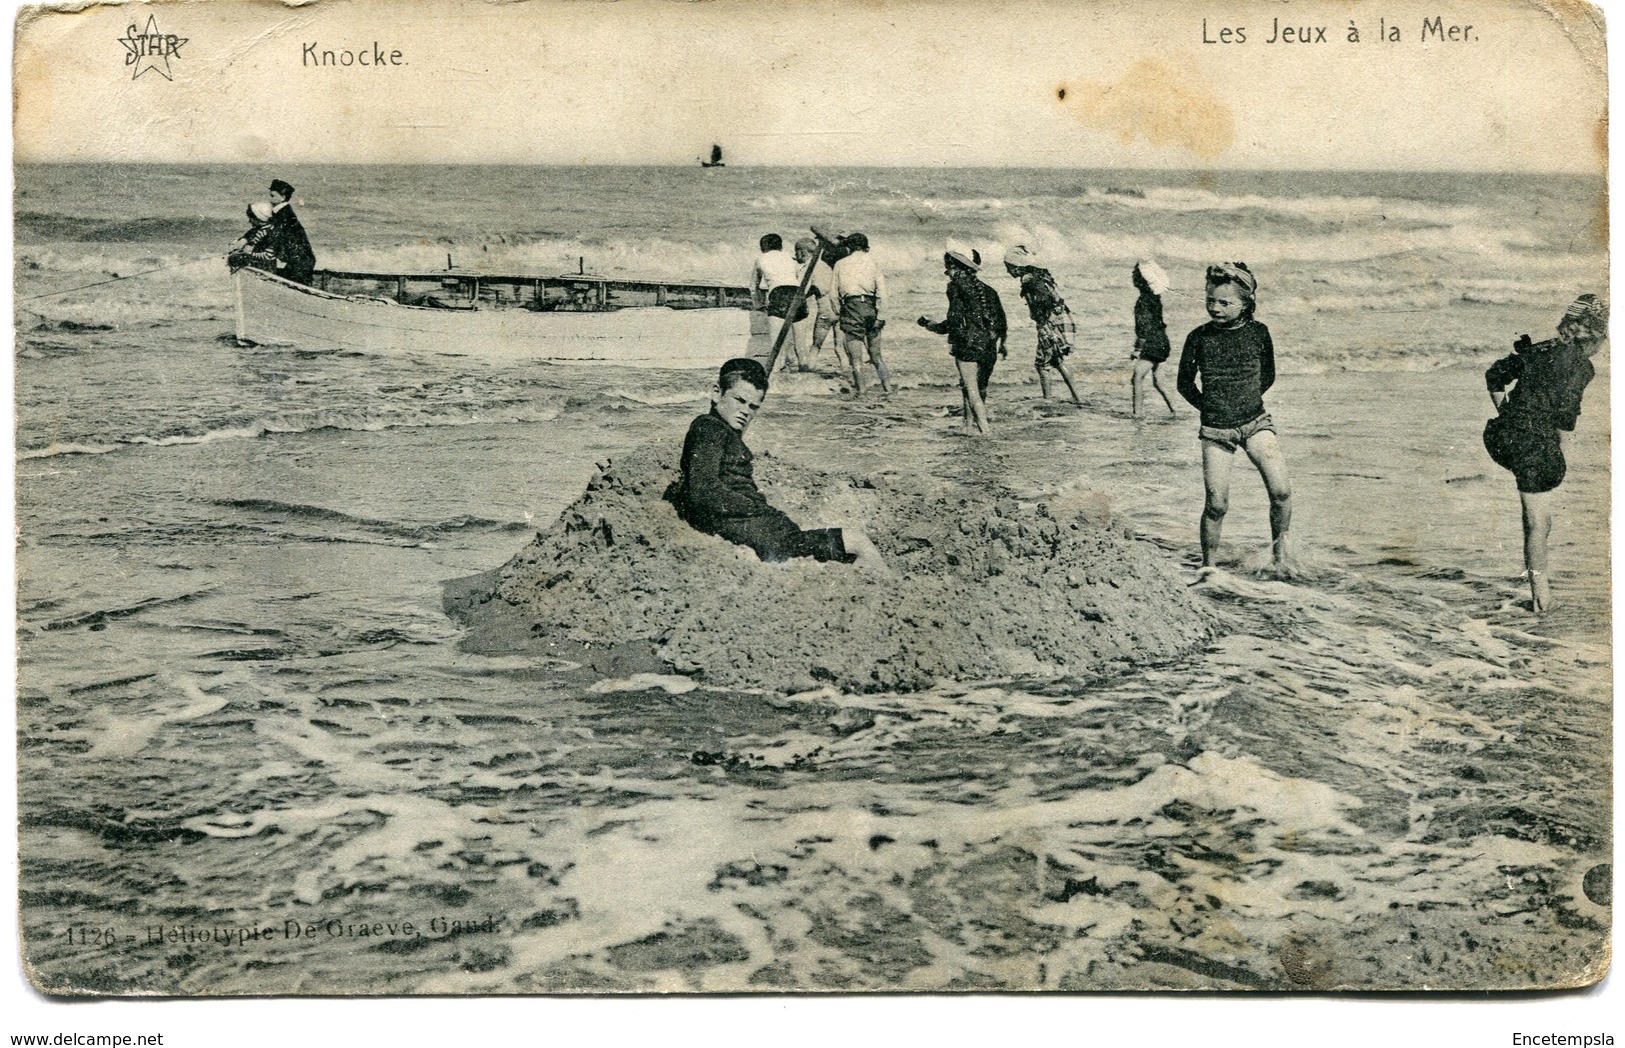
<point>1150,333</point>
<point>1536,417</point>
<point>975,327</point>
<point>1233,356</point>
<point>717,492</point>
<point>1049,313</point>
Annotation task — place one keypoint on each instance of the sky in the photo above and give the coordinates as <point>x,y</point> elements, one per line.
<point>1068,83</point>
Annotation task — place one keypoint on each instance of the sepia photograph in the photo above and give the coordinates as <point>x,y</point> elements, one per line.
<point>914,496</point>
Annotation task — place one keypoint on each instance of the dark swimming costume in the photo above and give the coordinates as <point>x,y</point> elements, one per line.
<point>1550,379</point>
<point>1533,453</point>
<point>779,299</point>
<point>975,322</point>
<point>1150,333</point>
<point>1237,366</point>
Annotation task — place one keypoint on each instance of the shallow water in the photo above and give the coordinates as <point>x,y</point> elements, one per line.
<point>241,705</point>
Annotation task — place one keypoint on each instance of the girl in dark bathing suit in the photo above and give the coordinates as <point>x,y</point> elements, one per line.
<point>976,330</point>
<point>1235,359</point>
<point>1150,334</point>
<point>1533,421</point>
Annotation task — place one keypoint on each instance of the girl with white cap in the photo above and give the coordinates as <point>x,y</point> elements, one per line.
<point>1049,312</point>
<point>1150,333</point>
<point>1534,419</point>
<point>975,327</point>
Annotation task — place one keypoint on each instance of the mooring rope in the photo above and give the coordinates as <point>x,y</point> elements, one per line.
<point>127,276</point>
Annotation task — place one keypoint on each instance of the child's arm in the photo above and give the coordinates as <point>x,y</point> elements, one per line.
<point>1500,375</point>
<point>1001,326</point>
<point>1266,362</point>
<point>955,307</point>
<point>1190,362</point>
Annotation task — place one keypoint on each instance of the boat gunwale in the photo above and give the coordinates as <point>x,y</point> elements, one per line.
<point>310,289</point>
<point>625,283</point>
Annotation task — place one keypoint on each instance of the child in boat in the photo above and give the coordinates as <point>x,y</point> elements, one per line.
<point>252,249</point>
<point>717,493</point>
<point>1150,333</point>
<point>1533,421</point>
<point>975,327</point>
<point>1234,358</point>
<point>1049,313</point>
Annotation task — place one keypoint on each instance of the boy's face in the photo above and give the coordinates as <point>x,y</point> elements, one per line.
<point>737,404</point>
<point>1224,303</point>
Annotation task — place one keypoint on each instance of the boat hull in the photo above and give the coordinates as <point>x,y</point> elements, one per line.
<point>274,311</point>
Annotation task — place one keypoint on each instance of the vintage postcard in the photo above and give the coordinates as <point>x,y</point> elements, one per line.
<point>912,495</point>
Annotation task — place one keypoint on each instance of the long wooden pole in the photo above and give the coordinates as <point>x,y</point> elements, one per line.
<point>795,306</point>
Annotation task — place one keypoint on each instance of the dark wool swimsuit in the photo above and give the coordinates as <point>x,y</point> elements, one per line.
<point>1150,333</point>
<point>1237,366</point>
<point>975,322</point>
<point>1551,377</point>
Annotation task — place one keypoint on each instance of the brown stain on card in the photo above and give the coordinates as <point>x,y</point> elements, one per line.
<point>1164,105</point>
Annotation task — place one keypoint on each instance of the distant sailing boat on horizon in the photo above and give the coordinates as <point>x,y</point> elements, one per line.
<point>716,158</point>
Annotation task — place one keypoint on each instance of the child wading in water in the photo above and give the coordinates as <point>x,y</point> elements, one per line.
<point>1150,333</point>
<point>1535,419</point>
<point>975,327</point>
<point>1049,313</point>
<point>1235,359</point>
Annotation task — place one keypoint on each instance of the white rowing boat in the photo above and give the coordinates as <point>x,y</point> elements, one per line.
<point>577,318</point>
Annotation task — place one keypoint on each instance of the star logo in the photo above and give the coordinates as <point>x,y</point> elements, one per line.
<point>151,49</point>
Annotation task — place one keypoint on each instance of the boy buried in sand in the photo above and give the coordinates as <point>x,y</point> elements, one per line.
<point>1535,419</point>
<point>1235,359</point>
<point>717,491</point>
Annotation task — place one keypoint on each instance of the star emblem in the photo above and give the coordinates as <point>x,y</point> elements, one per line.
<point>151,49</point>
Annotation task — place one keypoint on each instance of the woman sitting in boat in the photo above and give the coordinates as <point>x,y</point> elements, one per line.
<point>252,249</point>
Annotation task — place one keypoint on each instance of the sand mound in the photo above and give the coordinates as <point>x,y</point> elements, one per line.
<point>975,584</point>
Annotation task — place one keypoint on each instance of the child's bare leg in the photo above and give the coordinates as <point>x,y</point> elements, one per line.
<point>1136,384</point>
<point>851,342</point>
<point>1158,386</point>
<point>839,349</point>
<point>984,374</point>
<point>792,346</point>
<point>1537,533</point>
<point>1043,380</point>
<point>1265,451</point>
<point>1066,376</point>
<point>976,409</point>
<point>881,371</point>
<point>1216,463</point>
<point>804,346</point>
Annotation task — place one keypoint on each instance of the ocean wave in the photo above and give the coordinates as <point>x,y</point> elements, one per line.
<point>323,515</point>
<point>148,229</point>
<point>1322,208</point>
<point>272,427</point>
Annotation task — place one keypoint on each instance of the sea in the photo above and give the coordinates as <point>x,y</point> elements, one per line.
<point>253,758</point>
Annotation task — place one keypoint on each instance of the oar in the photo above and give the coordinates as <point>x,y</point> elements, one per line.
<point>795,306</point>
